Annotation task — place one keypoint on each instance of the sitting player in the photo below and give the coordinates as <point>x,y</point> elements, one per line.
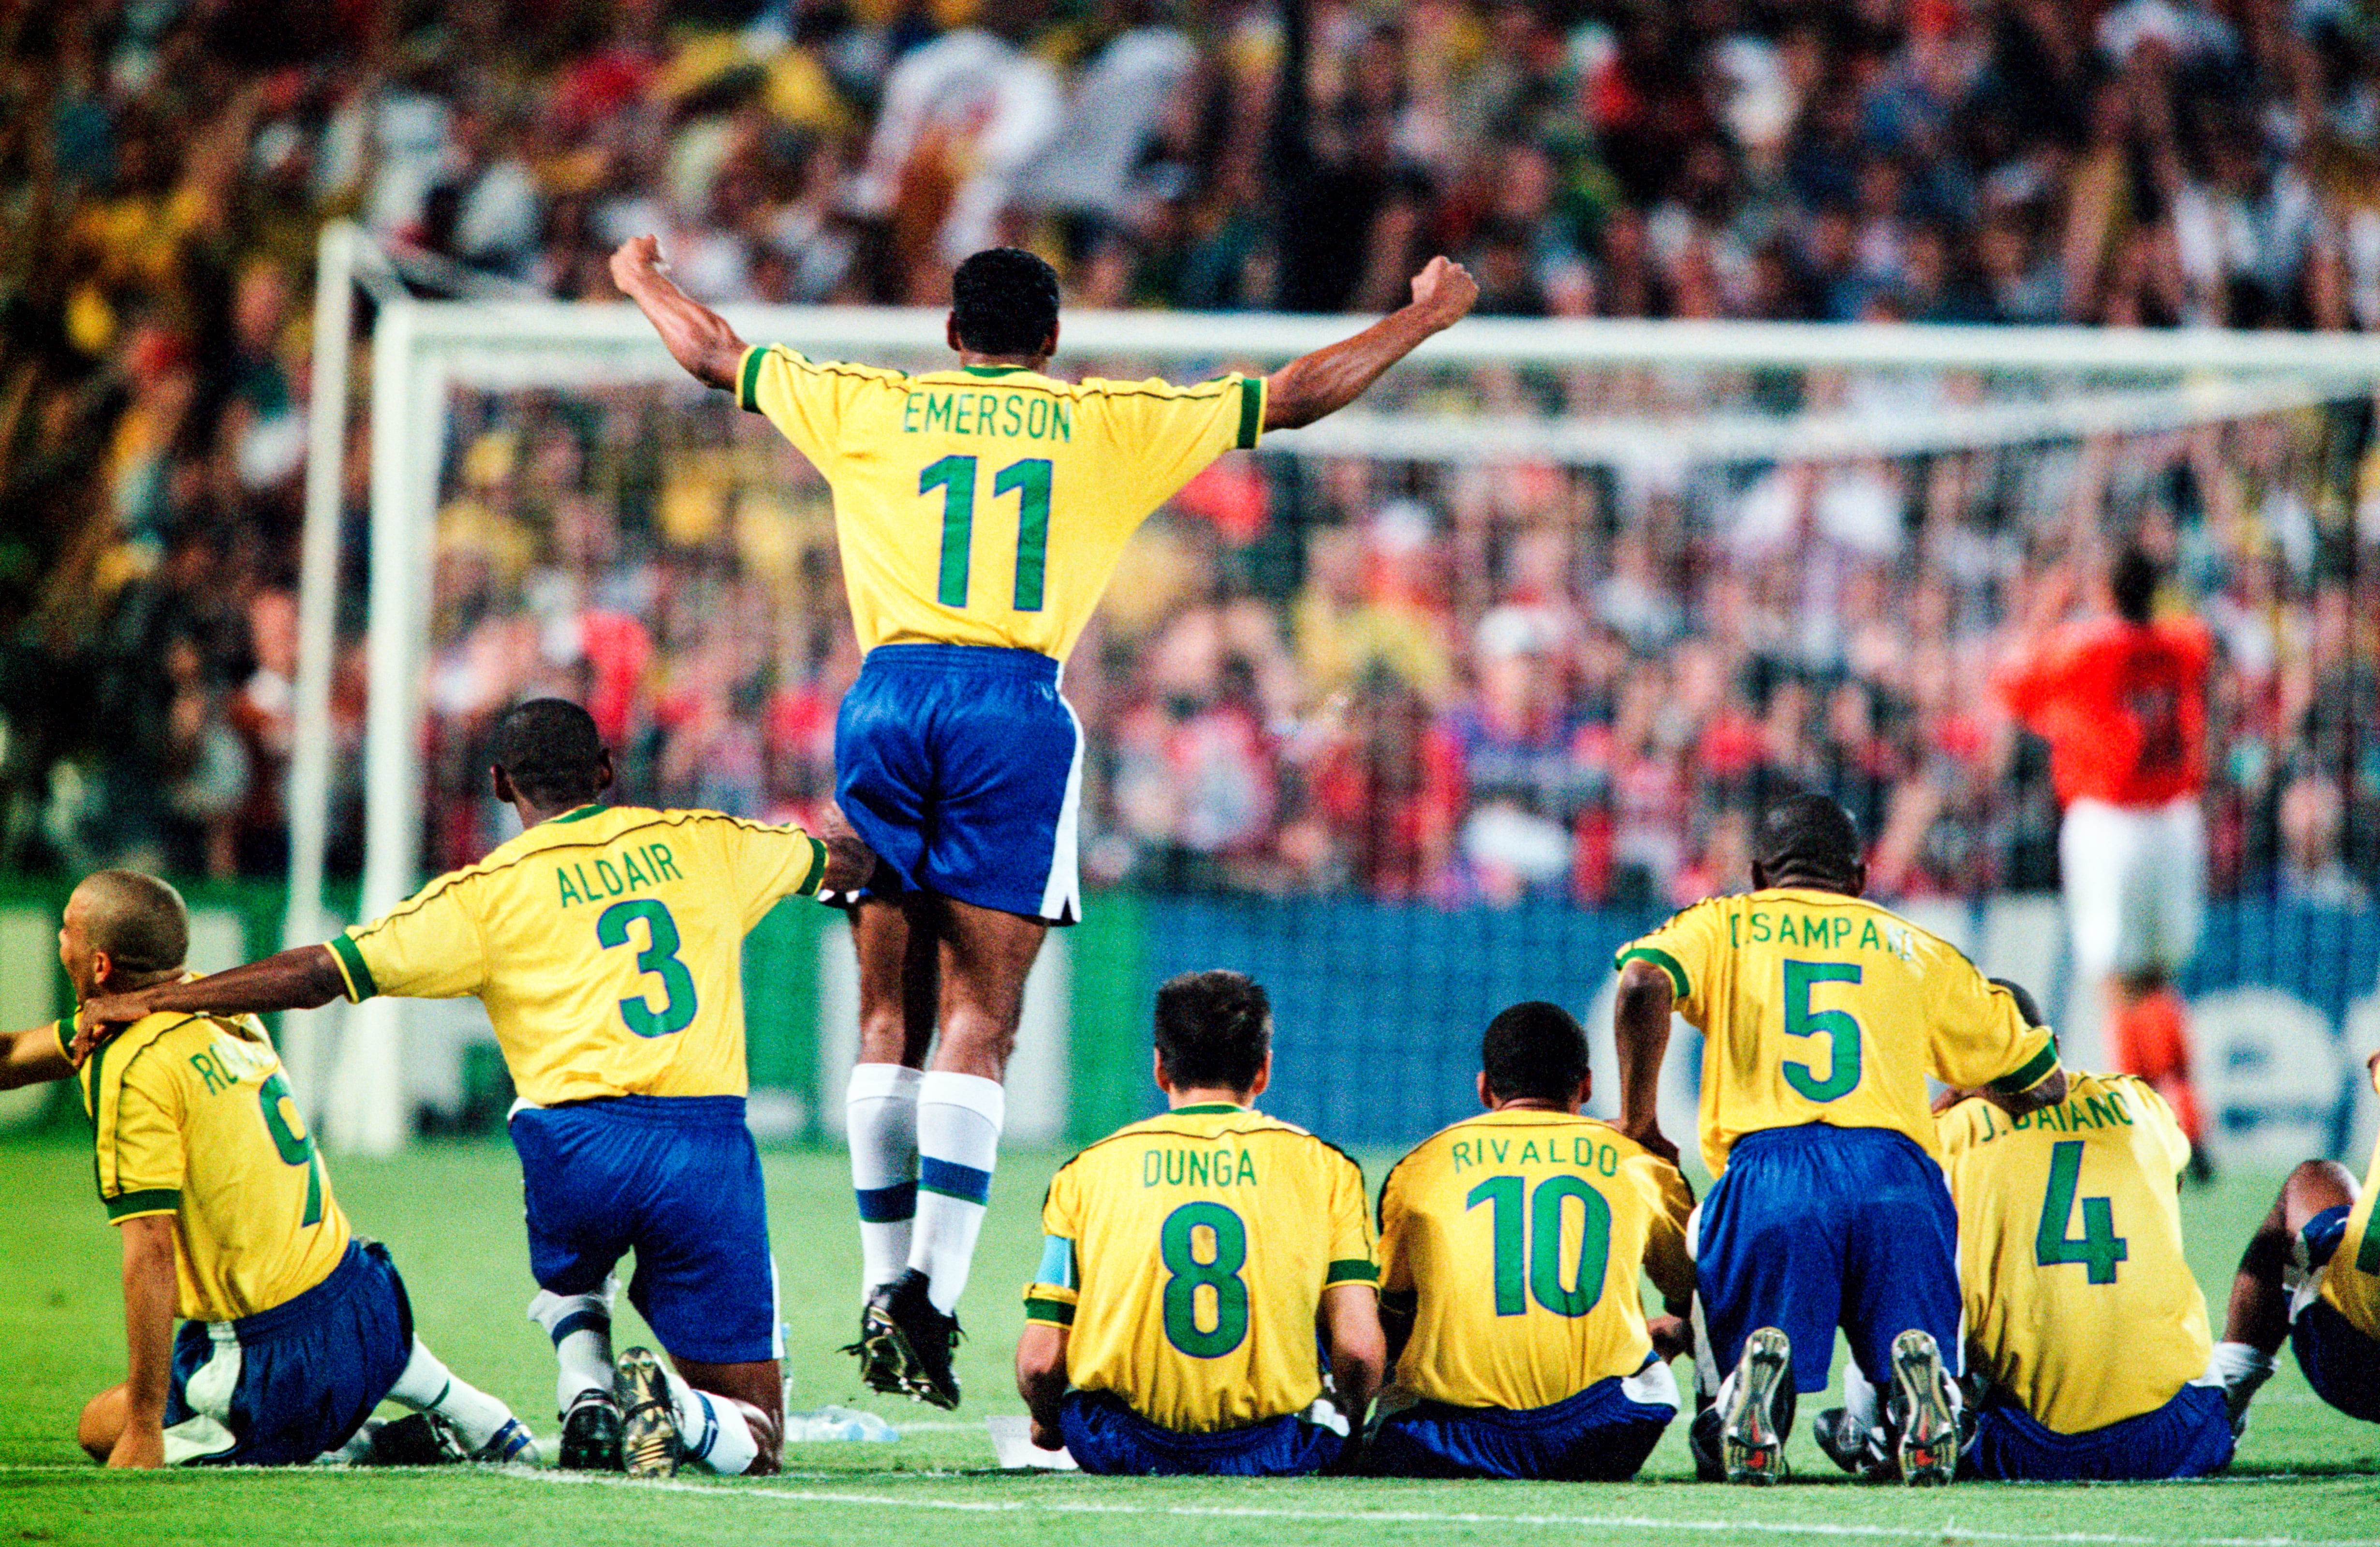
<point>2086,1332</point>
<point>1190,1261</point>
<point>294,1328</point>
<point>1823,1015</point>
<point>606,944</point>
<point>2311,1274</point>
<point>1519,1373</point>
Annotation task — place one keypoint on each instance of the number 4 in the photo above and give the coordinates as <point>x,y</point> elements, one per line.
<point>2098,1248</point>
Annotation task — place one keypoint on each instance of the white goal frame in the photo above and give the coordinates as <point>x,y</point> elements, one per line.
<point>421,348</point>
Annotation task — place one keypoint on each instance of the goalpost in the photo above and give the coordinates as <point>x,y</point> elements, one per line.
<point>2008,387</point>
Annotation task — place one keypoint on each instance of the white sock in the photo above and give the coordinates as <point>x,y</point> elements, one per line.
<point>958,1143</point>
<point>427,1385</point>
<point>881,1119</point>
<point>2242,1367</point>
<point>1859,1397</point>
<point>580,1326</point>
<point>711,1428</point>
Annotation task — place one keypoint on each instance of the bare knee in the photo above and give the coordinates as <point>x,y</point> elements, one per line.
<point>2314,1186</point>
<point>102,1424</point>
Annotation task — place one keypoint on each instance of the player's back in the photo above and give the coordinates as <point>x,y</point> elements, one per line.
<point>1819,1007</point>
<point>1521,1235</point>
<point>191,1117</point>
<point>1188,1254</point>
<point>606,944</point>
<point>2080,1303</point>
<point>2123,706</point>
<point>988,505</point>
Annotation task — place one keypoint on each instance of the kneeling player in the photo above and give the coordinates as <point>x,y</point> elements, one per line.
<point>1511,1245</point>
<point>1188,1263</point>
<point>295,1329</point>
<point>2311,1275</point>
<point>2083,1322</point>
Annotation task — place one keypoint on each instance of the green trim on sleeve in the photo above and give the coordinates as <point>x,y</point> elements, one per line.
<point>1252,396</point>
<point>747,379</point>
<point>817,871</point>
<point>1660,958</point>
<point>1058,1313</point>
<point>361,986</point>
<point>65,1037</point>
<point>2040,1066</point>
<point>1351,1270</point>
<point>155,1200</point>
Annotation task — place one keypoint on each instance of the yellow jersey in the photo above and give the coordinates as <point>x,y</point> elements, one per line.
<point>2351,1281</point>
<point>1189,1253</point>
<point>2069,1247</point>
<point>607,944</point>
<point>190,1116</point>
<point>1520,1236</point>
<point>988,505</point>
<point>1819,1007</point>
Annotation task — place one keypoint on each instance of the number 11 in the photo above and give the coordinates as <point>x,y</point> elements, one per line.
<point>1029,480</point>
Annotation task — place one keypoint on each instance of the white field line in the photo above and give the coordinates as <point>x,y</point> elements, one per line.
<point>764,1494</point>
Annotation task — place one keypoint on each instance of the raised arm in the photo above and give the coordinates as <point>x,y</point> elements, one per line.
<point>698,337</point>
<point>1330,379</point>
<point>299,978</point>
<point>1640,1026</point>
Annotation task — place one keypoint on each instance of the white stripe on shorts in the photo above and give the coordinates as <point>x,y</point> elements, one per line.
<point>1061,894</point>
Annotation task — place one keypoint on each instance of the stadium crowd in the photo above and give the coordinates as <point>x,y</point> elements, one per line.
<point>1417,682</point>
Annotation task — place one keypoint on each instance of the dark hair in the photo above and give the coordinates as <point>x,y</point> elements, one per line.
<point>138,920</point>
<point>1213,1029</point>
<point>2026,1004</point>
<point>1810,836</point>
<point>2132,579</point>
<point>551,751</point>
<point>1533,1050</point>
<point>1004,301</point>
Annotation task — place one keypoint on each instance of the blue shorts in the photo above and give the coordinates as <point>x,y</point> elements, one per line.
<point>1816,1227</point>
<point>963,769</point>
<point>676,1180</point>
<point>2340,1363</point>
<point>1599,1435</point>
<point>1108,1438</point>
<point>2190,1436</point>
<point>280,1387</point>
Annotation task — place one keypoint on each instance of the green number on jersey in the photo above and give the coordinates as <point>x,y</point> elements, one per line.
<point>2098,1248</point>
<point>1186,1274</point>
<point>1030,479</point>
<point>1842,1033</point>
<point>659,957</point>
<point>1543,1246</point>
<point>294,1145</point>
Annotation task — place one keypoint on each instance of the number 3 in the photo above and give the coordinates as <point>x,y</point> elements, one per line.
<point>660,958</point>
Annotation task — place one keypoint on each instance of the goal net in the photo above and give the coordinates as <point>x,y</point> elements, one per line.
<point>1425,708</point>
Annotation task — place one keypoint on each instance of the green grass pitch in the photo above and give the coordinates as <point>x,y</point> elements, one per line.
<point>451,1214</point>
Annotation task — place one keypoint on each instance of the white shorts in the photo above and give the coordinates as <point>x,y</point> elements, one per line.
<point>2135,881</point>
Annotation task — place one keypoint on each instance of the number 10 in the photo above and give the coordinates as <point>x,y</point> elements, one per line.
<point>955,476</point>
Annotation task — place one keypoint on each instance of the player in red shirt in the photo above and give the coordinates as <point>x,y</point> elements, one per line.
<point>2121,699</point>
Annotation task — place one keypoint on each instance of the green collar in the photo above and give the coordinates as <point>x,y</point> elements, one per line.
<point>994,370</point>
<point>581,814</point>
<point>1204,1109</point>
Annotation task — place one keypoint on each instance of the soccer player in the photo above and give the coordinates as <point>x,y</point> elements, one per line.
<point>1511,1249</point>
<point>1190,1261</point>
<point>1823,1014</point>
<point>2084,1322</point>
<point>606,944</point>
<point>981,512</point>
<point>2121,699</point>
<point>293,1327</point>
<point>2310,1275</point>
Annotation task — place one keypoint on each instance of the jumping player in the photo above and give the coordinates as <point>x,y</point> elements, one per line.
<point>1189,1262</point>
<point>1823,1014</point>
<point>1511,1245</point>
<point>2121,699</point>
<point>2310,1275</point>
<point>606,944</point>
<point>293,1327</point>
<point>2085,1326</point>
<point>981,512</point>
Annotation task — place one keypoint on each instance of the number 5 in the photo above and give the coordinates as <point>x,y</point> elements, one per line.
<point>1842,1033</point>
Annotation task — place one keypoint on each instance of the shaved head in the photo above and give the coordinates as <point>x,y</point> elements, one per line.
<point>138,921</point>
